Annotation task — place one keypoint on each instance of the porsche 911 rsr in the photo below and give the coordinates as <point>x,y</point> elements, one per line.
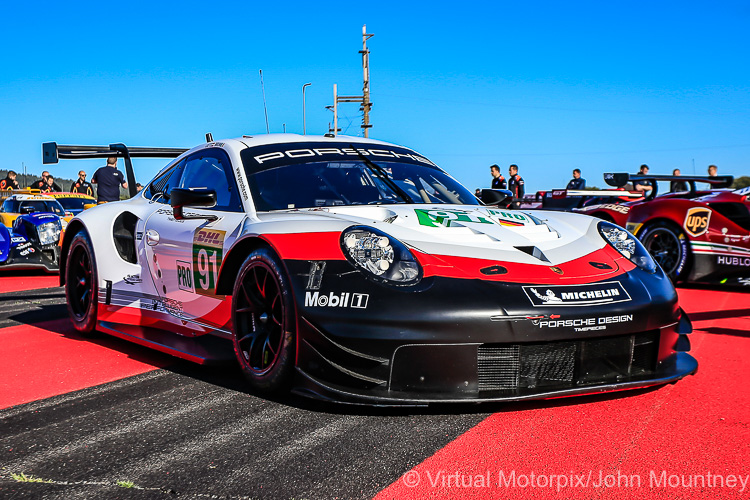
<point>359,271</point>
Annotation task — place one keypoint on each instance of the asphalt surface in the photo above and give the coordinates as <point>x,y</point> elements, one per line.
<point>194,432</point>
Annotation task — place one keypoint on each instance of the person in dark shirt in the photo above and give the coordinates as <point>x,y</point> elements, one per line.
<point>81,185</point>
<point>642,185</point>
<point>108,180</point>
<point>9,182</point>
<point>51,186</point>
<point>498,181</point>
<point>515,182</point>
<point>677,186</point>
<point>44,186</point>
<point>577,182</point>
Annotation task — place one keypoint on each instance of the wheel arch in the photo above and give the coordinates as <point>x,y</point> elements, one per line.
<point>234,259</point>
<point>74,227</point>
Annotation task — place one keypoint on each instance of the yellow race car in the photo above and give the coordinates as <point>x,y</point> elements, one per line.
<point>73,203</point>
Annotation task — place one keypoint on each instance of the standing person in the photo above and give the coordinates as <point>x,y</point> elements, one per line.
<point>515,182</point>
<point>82,185</point>
<point>43,185</point>
<point>9,182</point>
<point>642,185</point>
<point>677,186</point>
<point>576,182</point>
<point>713,170</point>
<point>108,180</point>
<point>498,181</point>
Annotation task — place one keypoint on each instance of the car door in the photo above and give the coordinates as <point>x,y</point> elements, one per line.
<point>184,256</point>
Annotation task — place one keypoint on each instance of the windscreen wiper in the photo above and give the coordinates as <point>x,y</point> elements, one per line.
<point>383,175</point>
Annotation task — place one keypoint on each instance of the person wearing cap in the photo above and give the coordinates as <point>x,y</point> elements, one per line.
<point>498,181</point>
<point>82,186</point>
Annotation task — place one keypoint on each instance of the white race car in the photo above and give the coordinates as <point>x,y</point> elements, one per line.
<point>357,270</point>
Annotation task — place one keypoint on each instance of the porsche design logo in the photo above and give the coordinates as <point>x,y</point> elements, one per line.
<point>556,270</point>
<point>696,220</point>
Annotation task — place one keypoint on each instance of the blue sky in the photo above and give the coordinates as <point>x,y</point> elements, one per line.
<point>550,86</point>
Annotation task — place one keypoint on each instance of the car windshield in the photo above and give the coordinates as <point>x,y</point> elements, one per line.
<point>29,206</point>
<point>325,184</point>
<point>74,203</point>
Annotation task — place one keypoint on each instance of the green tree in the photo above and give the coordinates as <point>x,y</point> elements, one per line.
<point>741,182</point>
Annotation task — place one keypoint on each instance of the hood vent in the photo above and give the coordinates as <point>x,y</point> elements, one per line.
<point>534,252</point>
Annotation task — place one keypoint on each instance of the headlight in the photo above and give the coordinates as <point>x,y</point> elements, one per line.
<point>628,245</point>
<point>49,232</point>
<point>381,256</point>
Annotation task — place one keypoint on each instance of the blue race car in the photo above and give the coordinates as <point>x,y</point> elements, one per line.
<point>32,242</point>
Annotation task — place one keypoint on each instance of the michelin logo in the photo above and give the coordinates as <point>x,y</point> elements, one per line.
<point>344,299</point>
<point>577,295</point>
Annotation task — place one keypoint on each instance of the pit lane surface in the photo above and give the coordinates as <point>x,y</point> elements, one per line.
<point>108,419</point>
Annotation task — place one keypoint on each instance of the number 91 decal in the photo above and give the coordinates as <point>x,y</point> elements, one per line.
<point>207,254</point>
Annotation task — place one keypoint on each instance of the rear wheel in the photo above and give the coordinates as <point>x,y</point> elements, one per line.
<point>81,287</point>
<point>264,322</point>
<point>668,245</point>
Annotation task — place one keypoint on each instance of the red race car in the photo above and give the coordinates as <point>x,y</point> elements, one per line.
<point>695,235</point>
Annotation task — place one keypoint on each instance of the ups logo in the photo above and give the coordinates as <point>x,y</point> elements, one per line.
<point>696,220</point>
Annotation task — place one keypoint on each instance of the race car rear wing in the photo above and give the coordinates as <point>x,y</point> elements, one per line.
<point>620,179</point>
<point>53,152</point>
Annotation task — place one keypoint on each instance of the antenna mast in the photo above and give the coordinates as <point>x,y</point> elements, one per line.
<point>265,110</point>
<point>364,99</point>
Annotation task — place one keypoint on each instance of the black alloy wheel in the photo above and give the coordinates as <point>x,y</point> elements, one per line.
<point>668,245</point>
<point>81,287</point>
<point>264,325</point>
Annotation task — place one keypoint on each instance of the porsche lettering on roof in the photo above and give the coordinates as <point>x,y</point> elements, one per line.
<point>338,153</point>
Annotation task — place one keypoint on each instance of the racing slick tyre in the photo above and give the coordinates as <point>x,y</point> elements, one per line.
<point>669,246</point>
<point>263,316</point>
<point>81,285</point>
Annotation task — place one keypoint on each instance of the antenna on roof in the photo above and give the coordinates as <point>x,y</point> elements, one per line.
<point>209,137</point>
<point>265,110</point>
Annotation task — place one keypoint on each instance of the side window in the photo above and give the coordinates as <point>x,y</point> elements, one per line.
<point>160,187</point>
<point>211,168</point>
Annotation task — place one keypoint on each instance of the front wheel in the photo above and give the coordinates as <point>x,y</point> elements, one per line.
<point>669,246</point>
<point>81,286</point>
<point>264,322</point>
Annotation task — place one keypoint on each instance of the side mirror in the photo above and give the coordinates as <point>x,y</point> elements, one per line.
<point>181,198</point>
<point>89,205</point>
<point>497,197</point>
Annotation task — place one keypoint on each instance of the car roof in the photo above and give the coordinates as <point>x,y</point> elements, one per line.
<point>249,141</point>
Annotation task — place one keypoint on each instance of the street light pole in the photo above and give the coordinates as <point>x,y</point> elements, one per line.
<point>304,118</point>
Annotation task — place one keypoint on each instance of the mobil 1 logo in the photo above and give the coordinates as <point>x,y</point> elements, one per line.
<point>343,299</point>
<point>577,295</point>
